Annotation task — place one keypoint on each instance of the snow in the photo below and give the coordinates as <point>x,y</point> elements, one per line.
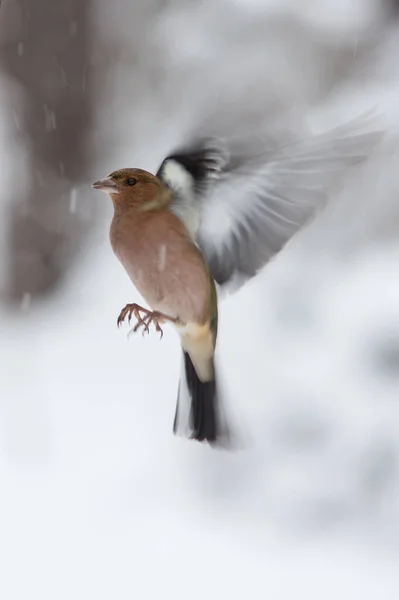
<point>98,499</point>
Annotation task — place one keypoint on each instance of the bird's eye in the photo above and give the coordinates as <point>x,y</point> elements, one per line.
<point>131,181</point>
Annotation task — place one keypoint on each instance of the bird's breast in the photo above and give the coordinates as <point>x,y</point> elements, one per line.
<point>144,257</point>
<point>163,265</point>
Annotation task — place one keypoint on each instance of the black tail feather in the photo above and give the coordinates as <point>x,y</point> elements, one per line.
<point>204,414</point>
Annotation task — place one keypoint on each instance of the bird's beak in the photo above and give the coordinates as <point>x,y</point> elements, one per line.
<point>105,185</point>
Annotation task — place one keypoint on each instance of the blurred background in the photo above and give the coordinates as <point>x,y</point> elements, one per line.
<point>97,498</point>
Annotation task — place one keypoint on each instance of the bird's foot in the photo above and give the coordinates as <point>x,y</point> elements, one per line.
<point>150,318</point>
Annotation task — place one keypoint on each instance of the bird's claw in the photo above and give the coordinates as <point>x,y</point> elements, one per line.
<point>150,317</point>
<point>143,322</point>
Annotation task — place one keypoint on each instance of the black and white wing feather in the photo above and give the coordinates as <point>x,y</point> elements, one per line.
<point>242,206</point>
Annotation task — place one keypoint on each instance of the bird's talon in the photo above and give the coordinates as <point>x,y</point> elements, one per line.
<point>149,318</point>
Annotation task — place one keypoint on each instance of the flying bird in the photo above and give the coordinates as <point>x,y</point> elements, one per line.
<point>216,212</point>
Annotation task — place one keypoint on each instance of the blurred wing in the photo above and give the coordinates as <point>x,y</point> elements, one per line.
<point>249,205</point>
<point>253,210</point>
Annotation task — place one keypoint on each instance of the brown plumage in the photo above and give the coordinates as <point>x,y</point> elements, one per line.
<point>170,273</point>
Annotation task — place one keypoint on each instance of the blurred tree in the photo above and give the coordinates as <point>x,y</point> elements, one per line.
<point>44,47</point>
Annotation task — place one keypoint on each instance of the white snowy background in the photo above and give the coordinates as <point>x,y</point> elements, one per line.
<point>97,498</point>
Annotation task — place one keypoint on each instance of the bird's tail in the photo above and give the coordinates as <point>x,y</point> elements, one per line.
<point>198,409</point>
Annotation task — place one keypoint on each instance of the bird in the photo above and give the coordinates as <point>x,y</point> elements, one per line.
<point>170,272</point>
<point>216,211</point>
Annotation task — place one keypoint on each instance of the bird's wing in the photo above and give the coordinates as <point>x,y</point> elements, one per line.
<point>191,174</point>
<point>243,207</point>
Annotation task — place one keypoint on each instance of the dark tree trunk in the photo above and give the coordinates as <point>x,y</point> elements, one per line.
<point>44,46</point>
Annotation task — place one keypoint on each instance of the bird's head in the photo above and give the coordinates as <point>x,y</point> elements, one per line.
<point>133,188</point>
